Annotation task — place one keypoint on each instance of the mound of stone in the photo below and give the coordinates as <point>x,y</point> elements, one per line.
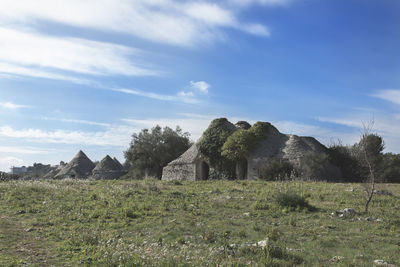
<point>80,167</point>
<point>108,169</point>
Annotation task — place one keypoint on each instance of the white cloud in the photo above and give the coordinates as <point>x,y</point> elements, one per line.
<point>7,162</point>
<point>256,29</point>
<point>13,70</point>
<point>202,86</point>
<point>179,97</point>
<point>146,94</point>
<point>10,105</point>
<point>118,135</point>
<point>28,53</point>
<point>78,121</point>
<point>24,150</point>
<point>164,21</point>
<point>210,14</point>
<point>186,94</point>
<point>390,95</point>
<point>261,2</point>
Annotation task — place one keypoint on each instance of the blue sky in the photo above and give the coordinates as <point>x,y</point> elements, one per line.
<point>87,74</point>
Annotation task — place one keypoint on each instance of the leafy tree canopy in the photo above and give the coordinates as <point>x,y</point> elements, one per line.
<point>343,157</point>
<point>390,171</point>
<point>213,139</point>
<point>150,151</point>
<point>242,142</point>
<point>369,152</point>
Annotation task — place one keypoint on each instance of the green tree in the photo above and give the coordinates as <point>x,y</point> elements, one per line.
<point>150,151</point>
<point>277,170</point>
<point>390,171</point>
<point>344,158</point>
<point>210,146</point>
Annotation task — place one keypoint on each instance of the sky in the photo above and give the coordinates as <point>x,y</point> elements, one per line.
<point>88,74</point>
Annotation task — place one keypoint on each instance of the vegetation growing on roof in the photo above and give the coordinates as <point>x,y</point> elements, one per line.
<point>242,142</point>
<point>211,142</point>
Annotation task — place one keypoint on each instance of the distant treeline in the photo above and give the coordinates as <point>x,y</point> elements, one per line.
<point>347,158</point>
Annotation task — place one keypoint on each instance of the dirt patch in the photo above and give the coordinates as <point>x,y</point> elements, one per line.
<point>21,246</point>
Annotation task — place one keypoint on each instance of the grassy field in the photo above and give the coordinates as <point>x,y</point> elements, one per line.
<point>217,223</point>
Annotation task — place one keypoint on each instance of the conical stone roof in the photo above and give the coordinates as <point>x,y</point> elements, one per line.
<point>79,167</point>
<point>118,163</point>
<point>107,164</point>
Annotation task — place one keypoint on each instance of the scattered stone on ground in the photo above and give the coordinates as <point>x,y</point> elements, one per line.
<point>370,219</point>
<point>383,263</point>
<point>294,249</point>
<point>383,192</point>
<point>346,212</point>
<point>336,259</point>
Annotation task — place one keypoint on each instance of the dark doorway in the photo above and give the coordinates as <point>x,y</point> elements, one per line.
<point>205,170</point>
<point>202,170</point>
<point>241,169</point>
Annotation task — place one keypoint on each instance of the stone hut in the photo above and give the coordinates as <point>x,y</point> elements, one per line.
<point>276,146</point>
<point>54,170</point>
<point>107,169</point>
<point>118,163</point>
<point>80,167</point>
<point>189,166</point>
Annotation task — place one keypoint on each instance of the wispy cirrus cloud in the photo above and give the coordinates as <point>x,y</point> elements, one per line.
<point>26,50</point>
<point>185,97</point>
<point>181,23</point>
<point>24,150</point>
<point>11,105</point>
<point>261,2</point>
<point>33,54</point>
<point>95,123</point>
<point>118,135</point>
<point>391,95</point>
<point>12,71</point>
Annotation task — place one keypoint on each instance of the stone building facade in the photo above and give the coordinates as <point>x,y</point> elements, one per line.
<point>191,165</point>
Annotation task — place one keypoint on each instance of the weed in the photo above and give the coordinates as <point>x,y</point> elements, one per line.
<point>293,201</point>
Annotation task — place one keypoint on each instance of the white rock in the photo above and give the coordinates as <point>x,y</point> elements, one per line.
<point>349,211</point>
<point>337,258</point>
<point>262,243</point>
<point>383,263</point>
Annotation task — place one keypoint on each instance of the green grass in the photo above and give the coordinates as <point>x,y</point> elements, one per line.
<point>217,223</point>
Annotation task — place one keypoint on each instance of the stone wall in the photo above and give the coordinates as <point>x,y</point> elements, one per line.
<point>179,172</point>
